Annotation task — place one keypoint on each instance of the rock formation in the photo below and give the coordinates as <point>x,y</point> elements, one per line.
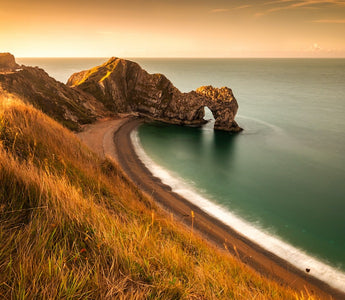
<point>7,62</point>
<point>33,85</point>
<point>118,86</point>
<point>223,105</point>
<point>123,86</point>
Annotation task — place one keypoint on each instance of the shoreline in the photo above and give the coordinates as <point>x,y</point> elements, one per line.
<point>210,228</point>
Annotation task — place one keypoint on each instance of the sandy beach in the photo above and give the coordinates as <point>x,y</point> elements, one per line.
<point>111,137</point>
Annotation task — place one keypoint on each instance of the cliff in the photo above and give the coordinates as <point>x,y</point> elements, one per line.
<point>33,85</point>
<point>123,86</point>
<point>7,62</point>
<point>117,86</point>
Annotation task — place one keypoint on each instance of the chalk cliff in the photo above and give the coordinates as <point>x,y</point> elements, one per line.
<point>123,86</point>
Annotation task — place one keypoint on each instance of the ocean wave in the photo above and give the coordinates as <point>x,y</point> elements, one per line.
<point>297,257</point>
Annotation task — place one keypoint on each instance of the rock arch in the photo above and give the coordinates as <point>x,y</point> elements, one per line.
<point>123,86</point>
<point>223,106</point>
<point>208,114</point>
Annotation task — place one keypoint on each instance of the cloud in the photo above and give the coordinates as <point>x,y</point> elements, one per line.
<point>339,21</point>
<point>307,2</point>
<point>243,6</point>
<point>278,2</point>
<point>294,4</point>
<point>219,10</point>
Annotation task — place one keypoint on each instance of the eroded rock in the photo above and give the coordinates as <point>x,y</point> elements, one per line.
<point>118,86</point>
<point>223,105</point>
<point>123,86</point>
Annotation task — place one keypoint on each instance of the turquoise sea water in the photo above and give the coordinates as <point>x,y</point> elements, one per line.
<point>285,173</point>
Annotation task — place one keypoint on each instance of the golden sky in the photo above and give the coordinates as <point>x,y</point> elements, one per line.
<point>173,28</point>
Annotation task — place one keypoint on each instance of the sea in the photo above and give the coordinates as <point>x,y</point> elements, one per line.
<point>280,182</point>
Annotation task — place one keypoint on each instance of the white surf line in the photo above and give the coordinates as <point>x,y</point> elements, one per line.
<point>298,258</point>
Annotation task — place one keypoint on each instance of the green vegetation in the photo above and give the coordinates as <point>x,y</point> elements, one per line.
<point>73,226</point>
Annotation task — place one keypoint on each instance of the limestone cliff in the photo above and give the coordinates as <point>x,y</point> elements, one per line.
<point>117,86</point>
<point>123,86</point>
<point>33,85</point>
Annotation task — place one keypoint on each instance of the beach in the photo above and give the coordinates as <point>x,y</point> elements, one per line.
<point>111,138</point>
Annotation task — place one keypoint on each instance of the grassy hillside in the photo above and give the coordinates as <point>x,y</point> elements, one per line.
<point>72,226</point>
<point>69,106</point>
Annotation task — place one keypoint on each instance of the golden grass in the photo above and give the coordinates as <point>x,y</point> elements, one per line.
<point>105,70</point>
<point>72,226</point>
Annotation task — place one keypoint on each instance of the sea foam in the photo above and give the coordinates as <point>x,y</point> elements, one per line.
<point>297,257</point>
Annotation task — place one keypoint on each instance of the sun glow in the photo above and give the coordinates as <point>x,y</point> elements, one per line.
<point>165,29</point>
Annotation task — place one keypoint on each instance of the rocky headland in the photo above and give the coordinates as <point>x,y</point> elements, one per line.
<point>117,86</point>
<point>71,107</point>
<point>123,86</point>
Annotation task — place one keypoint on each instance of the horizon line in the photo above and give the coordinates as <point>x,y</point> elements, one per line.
<point>187,57</point>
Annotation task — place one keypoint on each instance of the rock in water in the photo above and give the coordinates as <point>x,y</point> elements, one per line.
<point>7,62</point>
<point>223,105</point>
<point>123,86</point>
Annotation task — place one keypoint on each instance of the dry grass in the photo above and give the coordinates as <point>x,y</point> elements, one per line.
<point>71,226</point>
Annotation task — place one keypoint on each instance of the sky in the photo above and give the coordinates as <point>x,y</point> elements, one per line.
<point>173,28</point>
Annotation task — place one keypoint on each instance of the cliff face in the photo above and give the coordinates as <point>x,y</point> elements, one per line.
<point>123,86</point>
<point>69,106</point>
<point>7,62</point>
<point>118,86</point>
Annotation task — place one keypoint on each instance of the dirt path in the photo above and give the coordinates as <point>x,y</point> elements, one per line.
<point>111,137</point>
